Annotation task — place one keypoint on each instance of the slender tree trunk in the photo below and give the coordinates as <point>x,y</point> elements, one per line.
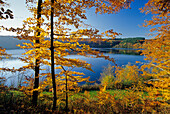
<point>36,79</point>
<point>66,97</point>
<point>66,108</point>
<point>52,57</point>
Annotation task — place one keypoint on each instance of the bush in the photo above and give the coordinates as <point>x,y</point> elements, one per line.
<point>127,76</point>
<point>107,77</point>
<point>88,87</point>
<point>121,77</point>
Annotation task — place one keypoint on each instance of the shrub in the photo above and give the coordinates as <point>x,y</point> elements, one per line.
<point>127,76</point>
<point>107,76</point>
<point>88,87</point>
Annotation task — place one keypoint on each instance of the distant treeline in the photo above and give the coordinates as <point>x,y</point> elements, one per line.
<point>9,42</point>
<point>117,43</point>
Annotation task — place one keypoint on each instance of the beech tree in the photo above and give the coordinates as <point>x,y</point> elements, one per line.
<point>36,78</point>
<point>159,45</point>
<point>157,50</point>
<point>66,14</point>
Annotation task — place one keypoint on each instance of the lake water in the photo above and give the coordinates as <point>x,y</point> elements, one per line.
<point>121,56</point>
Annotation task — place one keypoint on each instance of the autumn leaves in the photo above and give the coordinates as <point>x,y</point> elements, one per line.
<point>41,31</point>
<point>53,19</point>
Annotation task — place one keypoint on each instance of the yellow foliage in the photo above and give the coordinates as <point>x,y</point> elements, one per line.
<point>3,53</point>
<point>157,51</point>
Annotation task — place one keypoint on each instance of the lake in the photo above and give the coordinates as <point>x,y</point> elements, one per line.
<point>121,56</point>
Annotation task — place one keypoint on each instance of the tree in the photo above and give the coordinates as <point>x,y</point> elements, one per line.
<point>66,13</point>
<point>157,50</point>
<point>36,78</point>
<point>52,56</point>
<point>159,45</point>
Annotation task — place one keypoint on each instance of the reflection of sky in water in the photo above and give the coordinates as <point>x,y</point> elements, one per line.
<point>7,63</point>
<point>16,52</point>
<point>97,64</point>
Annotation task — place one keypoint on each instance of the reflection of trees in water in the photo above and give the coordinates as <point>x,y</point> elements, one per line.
<point>130,52</point>
<point>120,51</point>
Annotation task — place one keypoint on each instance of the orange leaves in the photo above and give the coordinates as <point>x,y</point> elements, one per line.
<point>111,34</point>
<point>160,7</point>
<point>160,10</point>
<point>110,6</point>
<point>3,53</point>
<point>67,14</point>
<point>156,50</point>
<point>127,76</point>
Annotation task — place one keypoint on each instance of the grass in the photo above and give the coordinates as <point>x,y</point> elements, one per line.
<point>16,93</point>
<point>47,93</point>
<point>16,100</point>
<point>119,94</point>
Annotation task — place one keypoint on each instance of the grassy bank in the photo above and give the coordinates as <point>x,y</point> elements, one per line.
<point>94,101</point>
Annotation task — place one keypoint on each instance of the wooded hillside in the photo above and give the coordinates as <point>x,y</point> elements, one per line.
<point>9,42</point>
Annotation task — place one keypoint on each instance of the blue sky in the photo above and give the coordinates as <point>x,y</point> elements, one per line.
<point>127,21</point>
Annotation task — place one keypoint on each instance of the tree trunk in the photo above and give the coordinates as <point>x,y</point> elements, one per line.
<point>52,57</point>
<point>66,97</point>
<point>36,79</point>
<point>66,108</point>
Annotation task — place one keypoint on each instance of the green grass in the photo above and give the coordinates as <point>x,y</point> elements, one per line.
<point>47,93</point>
<point>93,93</point>
<point>112,92</point>
<point>119,94</point>
<point>16,93</point>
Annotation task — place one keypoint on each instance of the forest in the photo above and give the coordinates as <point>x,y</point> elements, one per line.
<point>132,88</point>
<point>135,42</point>
<point>10,42</point>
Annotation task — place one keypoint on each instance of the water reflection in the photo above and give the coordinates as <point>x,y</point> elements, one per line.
<point>121,57</point>
<point>119,51</point>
